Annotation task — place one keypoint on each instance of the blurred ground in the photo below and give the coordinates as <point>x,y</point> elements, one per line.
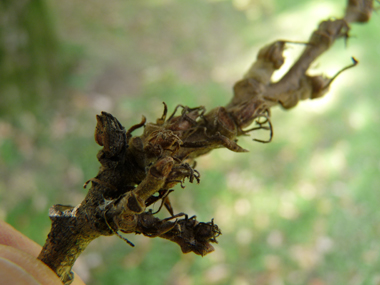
<point>300,210</point>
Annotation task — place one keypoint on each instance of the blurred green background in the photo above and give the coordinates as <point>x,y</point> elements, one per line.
<point>300,210</point>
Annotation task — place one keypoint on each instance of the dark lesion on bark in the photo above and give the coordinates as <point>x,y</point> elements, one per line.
<point>137,171</point>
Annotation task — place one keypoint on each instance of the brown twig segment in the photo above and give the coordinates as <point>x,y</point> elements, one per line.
<point>137,171</point>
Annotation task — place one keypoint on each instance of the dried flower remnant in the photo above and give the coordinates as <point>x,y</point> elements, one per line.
<point>137,171</point>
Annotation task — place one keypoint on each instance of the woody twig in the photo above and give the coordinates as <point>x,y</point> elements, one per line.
<point>137,171</point>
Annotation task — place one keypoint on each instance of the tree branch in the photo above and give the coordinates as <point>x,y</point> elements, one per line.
<point>136,171</point>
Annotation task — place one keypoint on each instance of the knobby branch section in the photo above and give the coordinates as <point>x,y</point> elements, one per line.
<point>137,171</point>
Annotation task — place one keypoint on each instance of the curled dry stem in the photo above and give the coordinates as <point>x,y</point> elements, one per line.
<point>137,171</point>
